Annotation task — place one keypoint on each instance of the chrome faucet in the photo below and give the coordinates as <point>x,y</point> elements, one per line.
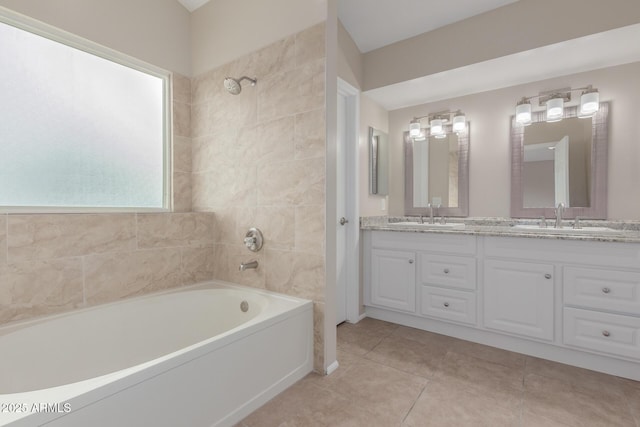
<point>247,265</point>
<point>559,212</point>
<point>430,206</point>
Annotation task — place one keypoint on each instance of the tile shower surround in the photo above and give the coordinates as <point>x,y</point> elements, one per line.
<point>258,160</point>
<point>255,159</point>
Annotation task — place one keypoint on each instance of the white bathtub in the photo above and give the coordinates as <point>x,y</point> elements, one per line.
<point>189,357</point>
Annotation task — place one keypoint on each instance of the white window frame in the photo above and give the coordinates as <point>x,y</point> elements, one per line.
<point>34,26</point>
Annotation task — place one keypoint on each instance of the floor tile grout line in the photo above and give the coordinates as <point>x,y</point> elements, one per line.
<point>635,418</point>
<point>404,419</point>
<point>521,423</point>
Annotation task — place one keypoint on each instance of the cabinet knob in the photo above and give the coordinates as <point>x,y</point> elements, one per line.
<point>410,261</point>
<point>606,290</point>
<point>446,304</point>
<point>446,271</point>
<point>547,276</point>
<point>606,333</point>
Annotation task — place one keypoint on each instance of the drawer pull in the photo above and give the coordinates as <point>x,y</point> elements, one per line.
<point>547,276</point>
<point>606,290</point>
<point>410,261</point>
<point>606,333</point>
<point>446,271</point>
<point>446,304</point>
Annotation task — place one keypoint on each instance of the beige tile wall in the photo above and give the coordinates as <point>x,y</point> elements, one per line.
<point>259,161</point>
<point>181,143</point>
<point>54,263</point>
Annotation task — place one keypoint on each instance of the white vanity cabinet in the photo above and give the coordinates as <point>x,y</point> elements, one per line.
<point>569,300</point>
<point>437,271</point>
<point>393,279</point>
<point>519,298</point>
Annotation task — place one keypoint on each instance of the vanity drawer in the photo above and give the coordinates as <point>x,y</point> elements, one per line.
<point>448,304</point>
<point>447,271</point>
<point>602,332</point>
<point>602,289</point>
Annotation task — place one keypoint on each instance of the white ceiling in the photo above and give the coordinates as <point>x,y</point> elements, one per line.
<point>592,52</point>
<point>192,5</point>
<point>373,24</point>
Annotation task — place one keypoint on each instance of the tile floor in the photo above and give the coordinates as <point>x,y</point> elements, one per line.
<point>392,375</point>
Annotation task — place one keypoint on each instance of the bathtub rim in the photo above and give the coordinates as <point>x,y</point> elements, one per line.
<point>12,326</point>
<point>82,393</point>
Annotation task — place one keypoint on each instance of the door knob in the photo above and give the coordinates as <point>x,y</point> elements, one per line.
<point>343,221</point>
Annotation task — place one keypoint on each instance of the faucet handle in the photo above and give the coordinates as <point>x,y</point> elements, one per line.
<point>576,223</point>
<point>543,222</point>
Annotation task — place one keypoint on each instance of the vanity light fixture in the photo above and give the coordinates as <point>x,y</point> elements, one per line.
<point>589,102</point>
<point>555,109</point>
<point>459,122</point>
<point>555,100</point>
<point>414,128</point>
<point>436,127</point>
<point>437,124</point>
<point>523,112</point>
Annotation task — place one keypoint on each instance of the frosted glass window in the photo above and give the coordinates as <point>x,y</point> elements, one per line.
<point>78,130</point>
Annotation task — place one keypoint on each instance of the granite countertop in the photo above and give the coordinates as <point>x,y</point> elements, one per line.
<point>625,231</point>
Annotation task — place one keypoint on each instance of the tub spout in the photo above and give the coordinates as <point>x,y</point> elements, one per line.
<point>247,265</point>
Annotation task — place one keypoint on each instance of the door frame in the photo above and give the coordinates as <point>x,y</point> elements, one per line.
<point>352,251</point>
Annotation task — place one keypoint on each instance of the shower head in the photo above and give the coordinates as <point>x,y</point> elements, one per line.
<point>234,87</point>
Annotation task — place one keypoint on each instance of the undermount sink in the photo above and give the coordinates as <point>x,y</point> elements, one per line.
<point>565,230</point>
<point>436,226</point>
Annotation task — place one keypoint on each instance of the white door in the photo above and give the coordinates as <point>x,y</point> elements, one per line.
<point>347,226</point>
<point>341,209</point>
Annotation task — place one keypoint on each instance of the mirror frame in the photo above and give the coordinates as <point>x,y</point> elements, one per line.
<point>374,163</point>
<point>599,143</point>
<point>463,178</point>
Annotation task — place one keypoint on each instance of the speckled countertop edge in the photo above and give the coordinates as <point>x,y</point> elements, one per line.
<point>629,230</point>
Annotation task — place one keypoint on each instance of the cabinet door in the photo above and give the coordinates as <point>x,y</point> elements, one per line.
<point>393,279</point>
<point>518,298</point>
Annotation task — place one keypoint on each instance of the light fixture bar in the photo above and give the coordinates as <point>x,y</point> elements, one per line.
<point>436,124</point>
<point>554,101</point>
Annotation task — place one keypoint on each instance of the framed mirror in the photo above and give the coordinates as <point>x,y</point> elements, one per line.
<point>378,162</point>
<point>437,172</point>
<point>561,162</point>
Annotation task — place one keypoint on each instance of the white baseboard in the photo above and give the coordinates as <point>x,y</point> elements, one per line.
<point>331,368</point>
